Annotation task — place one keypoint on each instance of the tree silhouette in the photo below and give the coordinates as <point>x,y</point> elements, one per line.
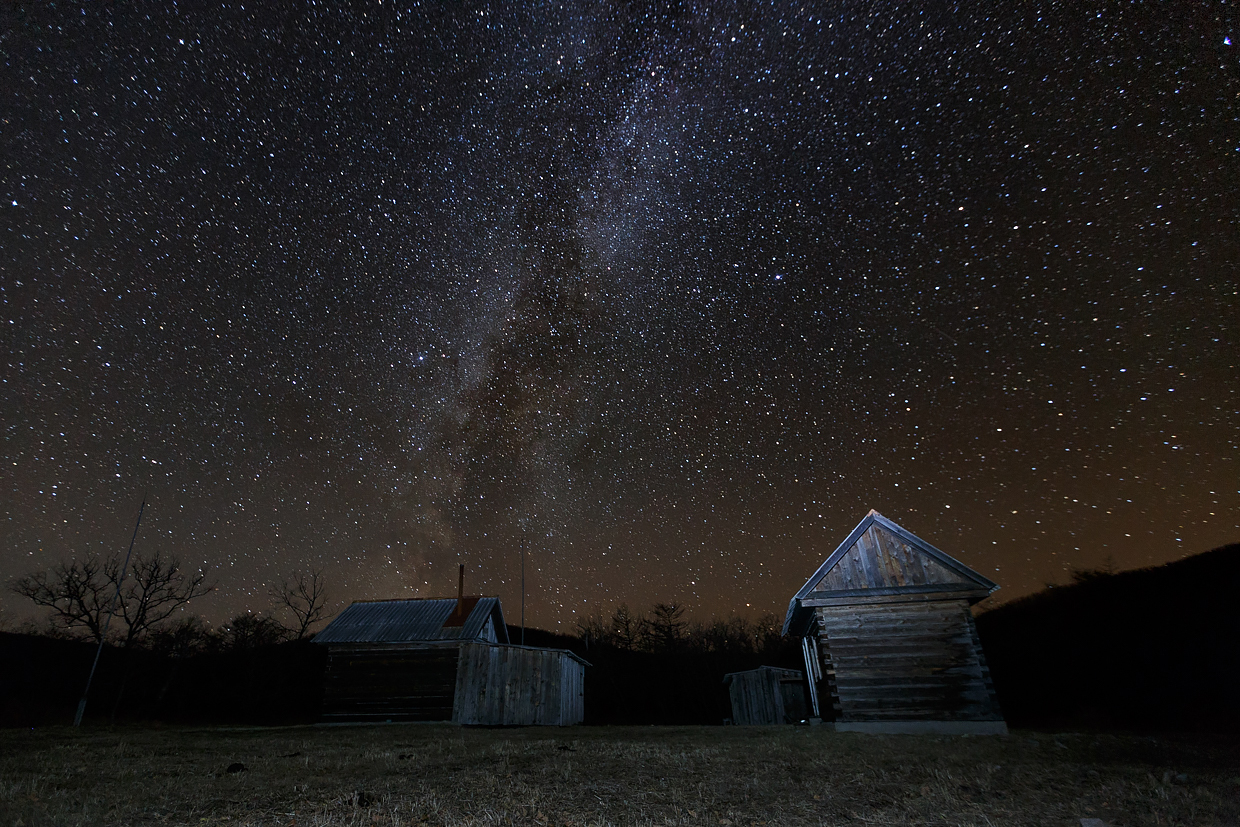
<point>666,626</point>
<point>305,598</point>
<point>156,589</point>
<point>247,631</point>
<point>80,594</point>
<point>626,629</point>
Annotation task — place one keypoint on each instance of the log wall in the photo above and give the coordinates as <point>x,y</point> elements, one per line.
<point>389,684</point>
<point>904,661</point>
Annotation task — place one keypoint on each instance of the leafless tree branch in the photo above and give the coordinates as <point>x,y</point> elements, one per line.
<point>81,593</point>
<point>305,598</point>
<point>78,594</point>
<point>156,588</point>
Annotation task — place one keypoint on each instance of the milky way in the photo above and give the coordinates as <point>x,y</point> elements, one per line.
<point>671,297</point>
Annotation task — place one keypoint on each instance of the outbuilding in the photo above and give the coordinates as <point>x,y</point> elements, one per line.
<point>444,660</point>
<point>767,695</point>
<point>888,636</point>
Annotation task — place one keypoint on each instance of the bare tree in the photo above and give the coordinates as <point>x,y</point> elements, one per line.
<point>666,626</point>
<point>247,631</point>
<point>593,630</point>
<point>182,638</point>
<point>305,598</point>
<point>80,594</point>
<point>626,629</point>
<point>734,636</point>
<point>156,589</point>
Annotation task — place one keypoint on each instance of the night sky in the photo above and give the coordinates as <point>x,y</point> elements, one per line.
<point>675,296</point>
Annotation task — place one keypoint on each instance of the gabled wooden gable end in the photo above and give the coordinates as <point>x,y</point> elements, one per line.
<point>888,637</point>
<point>882,561</point>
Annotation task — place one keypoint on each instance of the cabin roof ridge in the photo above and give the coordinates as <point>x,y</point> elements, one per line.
<point>972,581</point>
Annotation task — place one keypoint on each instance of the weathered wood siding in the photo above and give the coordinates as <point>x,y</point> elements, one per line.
<point>389,684</point>
<point>572,691</point>
<point>767,695</point>
<point>879,559</point>
<point>904,661</point>
<point>499,685</point>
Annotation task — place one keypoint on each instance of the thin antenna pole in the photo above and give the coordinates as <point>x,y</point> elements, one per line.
<point>103,634</point>
<point>522,588</point>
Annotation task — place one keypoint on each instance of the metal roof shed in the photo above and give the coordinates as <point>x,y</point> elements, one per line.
<point>396,660</point>
<point>443,660</point>
<point>421,621</point>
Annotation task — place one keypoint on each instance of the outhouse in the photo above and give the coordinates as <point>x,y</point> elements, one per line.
<point>767,695</point>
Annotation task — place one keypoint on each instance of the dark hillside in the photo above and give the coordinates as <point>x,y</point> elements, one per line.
<point>1155,648</point>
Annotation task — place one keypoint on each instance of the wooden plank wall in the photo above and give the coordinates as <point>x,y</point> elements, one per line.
<point>880,559</point>
<point>500,685</point>
<point>759,697</point>
<point>572,691</point>
<point>905,661</point>
<point>793,692</point>
<point>385,684</point>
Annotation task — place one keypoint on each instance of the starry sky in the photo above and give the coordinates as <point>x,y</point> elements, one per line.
<point>673,294</point>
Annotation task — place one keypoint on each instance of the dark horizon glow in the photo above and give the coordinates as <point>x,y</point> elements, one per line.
<point>676,296</point>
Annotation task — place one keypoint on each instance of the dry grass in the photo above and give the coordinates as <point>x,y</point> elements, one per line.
<point>441,774</point>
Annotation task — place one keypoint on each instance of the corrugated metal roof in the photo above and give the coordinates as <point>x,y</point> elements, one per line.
<point>410,621</point>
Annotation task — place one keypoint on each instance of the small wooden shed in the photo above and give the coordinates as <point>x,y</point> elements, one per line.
<point>500,685</point>
<point>888,636</point>
<point>443,660</point>
<point>767,695</point>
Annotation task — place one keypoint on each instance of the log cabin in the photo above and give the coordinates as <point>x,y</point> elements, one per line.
<point>889,640</point>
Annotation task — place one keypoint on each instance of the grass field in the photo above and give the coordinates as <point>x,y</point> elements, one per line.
<point>440,774</point>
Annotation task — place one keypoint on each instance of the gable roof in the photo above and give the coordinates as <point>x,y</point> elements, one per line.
<point>879,559</point>
<point>416,620</point>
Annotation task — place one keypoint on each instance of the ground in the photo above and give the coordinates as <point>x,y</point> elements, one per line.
<point>441,774</point>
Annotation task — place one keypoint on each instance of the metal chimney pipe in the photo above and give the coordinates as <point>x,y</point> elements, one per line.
<point>460,592</point>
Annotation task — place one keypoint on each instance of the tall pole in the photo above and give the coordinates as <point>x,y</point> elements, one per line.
<point>103,633</point>
<point>523,588</point>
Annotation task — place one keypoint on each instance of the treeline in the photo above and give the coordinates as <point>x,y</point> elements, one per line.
<point>660,668</point>
<point>651,667</point>
<point>157,662</point>
<point>665,629</point>
<point>1151,649</point>
<point>42,678</point>
<point>137,606</point>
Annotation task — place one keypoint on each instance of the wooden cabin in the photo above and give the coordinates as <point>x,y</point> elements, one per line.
<point>443,660</point>
<point>767,695</point>
<point>888,637</point>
